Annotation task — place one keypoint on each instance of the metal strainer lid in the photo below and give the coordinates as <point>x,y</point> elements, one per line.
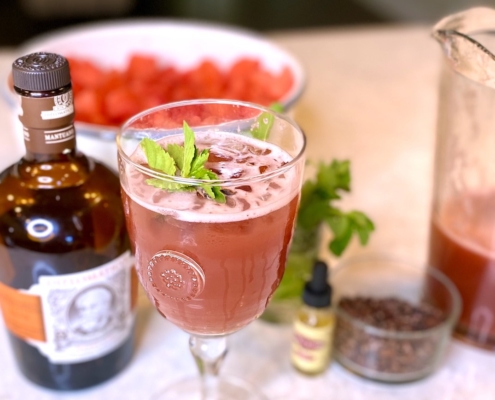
<point>40,72</point>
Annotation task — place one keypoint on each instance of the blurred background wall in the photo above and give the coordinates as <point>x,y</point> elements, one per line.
<point>22,19</point>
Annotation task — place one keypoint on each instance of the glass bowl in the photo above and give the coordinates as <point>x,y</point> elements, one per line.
<point>394,319</point>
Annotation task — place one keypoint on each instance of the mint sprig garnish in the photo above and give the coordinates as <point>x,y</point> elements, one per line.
<point>185,161</point>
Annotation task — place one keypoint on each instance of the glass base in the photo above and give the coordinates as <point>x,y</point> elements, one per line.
<point>229,388</point>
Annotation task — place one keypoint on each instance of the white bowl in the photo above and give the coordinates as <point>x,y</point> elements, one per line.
<point>178,43</point>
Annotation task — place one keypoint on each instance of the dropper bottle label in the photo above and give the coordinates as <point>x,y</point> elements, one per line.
<point>311,344</point>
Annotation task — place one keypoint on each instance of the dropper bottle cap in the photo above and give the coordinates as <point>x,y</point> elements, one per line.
<point>318,292</point>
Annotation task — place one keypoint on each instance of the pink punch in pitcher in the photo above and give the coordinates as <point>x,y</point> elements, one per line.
<point>462,237</point>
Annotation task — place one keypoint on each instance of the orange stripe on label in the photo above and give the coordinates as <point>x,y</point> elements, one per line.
<point>22,313</point>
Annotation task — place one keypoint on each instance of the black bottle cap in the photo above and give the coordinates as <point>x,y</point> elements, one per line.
<point>317,292</point>
<point>40,72</point>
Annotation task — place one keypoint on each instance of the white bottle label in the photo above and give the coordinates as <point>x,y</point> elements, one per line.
<point>63,106</point>
<point>86,314</point>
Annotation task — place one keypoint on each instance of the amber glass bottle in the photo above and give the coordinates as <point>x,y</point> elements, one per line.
<point>66,283</point>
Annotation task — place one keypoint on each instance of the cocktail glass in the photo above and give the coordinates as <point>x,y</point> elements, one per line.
<point>211,267</point>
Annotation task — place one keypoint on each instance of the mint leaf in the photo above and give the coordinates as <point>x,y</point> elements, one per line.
<point>315,211</point>
<point>176,151</point>
<point>277,107</point>
<point>333,177</point>
<point>157,157</point>
<point>213,191</point>
<point>362,225</point>
<point>170,186</point>
<point>307,194</point>
<point>339,224</point>
<point>265,122</point>
<point>263,125</point>
<point>219,195</point>
<point>339,243</point>
<point>344,226</point>
<point>209,191</point>
<point>199,162</point>
<point>189,150</point>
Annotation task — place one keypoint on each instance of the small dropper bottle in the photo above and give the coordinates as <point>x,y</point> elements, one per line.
<point>314,325</point>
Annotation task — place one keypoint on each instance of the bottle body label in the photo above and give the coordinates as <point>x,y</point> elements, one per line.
<point>84,315</point>
<point>311,347</point>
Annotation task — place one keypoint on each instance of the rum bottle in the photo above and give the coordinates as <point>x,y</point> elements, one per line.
<point>67,289</point>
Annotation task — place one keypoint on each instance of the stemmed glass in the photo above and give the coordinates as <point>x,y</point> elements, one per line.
<point>209,265</point>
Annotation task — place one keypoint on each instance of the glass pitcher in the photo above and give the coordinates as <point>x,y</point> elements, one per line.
<point>462,235</point>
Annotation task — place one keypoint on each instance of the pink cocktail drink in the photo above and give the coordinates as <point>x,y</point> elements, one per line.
<point>210,191</point>
<point>211,268</point>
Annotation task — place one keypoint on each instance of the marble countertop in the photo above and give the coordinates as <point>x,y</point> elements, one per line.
<point>371,98</point>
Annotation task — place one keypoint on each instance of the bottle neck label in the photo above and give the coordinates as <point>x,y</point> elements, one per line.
<point>48,123</point>
<point>75,317</point>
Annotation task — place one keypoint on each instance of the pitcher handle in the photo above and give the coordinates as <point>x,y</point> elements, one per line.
<point>466,55</point>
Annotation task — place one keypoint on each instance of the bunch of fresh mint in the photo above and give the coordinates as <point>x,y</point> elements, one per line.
<point>317,207</point>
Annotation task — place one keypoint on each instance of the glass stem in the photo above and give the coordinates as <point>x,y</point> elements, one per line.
<point>209,353</point>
